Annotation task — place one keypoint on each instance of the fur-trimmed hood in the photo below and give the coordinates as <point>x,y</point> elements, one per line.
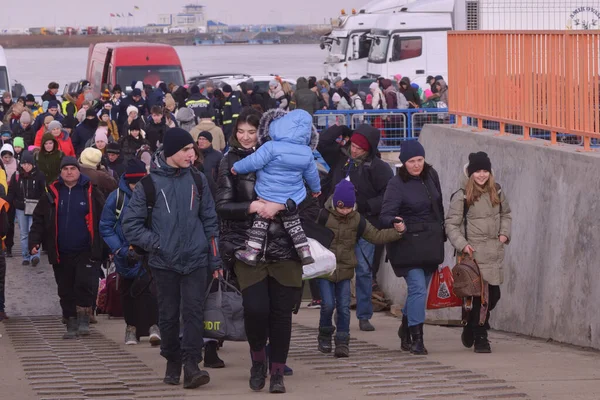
<point>281,125</point>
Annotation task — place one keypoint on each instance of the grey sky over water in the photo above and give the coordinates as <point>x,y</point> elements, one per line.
<point>38,13</point>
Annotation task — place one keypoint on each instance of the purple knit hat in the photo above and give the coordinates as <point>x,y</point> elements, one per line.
<point>344,195</point>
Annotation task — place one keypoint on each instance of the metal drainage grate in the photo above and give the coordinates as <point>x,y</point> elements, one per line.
<point>90,368</point>
<point>396,374</point>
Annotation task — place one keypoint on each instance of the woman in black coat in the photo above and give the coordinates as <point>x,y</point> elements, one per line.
<point>415,196</point>
<point>271,289</point>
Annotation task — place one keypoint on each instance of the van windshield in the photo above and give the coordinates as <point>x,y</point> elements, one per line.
<point>4,84</point>
<point>150,75</point>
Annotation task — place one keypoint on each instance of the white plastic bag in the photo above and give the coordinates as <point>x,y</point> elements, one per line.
<point>324,264</point>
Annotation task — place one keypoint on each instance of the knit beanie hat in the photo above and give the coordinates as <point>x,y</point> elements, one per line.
<point>131,109</point>
<point>361,141</point>
<point>90,113</point>
<point>195,89</point>
<point>54,125</point>
<point>410,149</point>
<point>113,148</point>
<point>27,158</point>
<point>90,157</point>
<point>136,92</point>
<point>227,89</point>
<point>25,118</point>
<point>207,135</point>
<point>135,125</point>
<point>101,136</point>
<point>479,161</point>
<point>135,171</point>
<point>175,140</point>
<point>67,161</point>
<point>106,94</point>
<point>344,194</point>
<point>52,104</point>
<point>19,142</point>
<point>336,97</point>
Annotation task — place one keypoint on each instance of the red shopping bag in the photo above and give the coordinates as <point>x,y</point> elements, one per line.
<point>441,293</point>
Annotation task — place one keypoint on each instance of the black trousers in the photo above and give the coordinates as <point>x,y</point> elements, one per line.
<point>9,242</point>
<point>2,281</point>
<point>140,306</point>
<point>474,314</point>
<point>77,280</point>
<point>268,307</point>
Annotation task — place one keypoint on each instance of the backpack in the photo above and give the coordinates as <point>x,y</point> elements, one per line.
<point>120,205</point>
<point>402,103</point>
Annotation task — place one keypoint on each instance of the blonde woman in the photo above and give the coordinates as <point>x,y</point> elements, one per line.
<point>481,230</point>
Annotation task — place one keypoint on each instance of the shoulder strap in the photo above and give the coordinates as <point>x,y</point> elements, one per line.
<point>465,212</point>
<point>362,225</point>
<point>323,216</point>
<point>150,192</point>
<point>120,203</point>
<point>198,182</point>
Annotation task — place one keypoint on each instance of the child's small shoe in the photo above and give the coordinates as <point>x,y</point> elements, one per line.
<point>248,255</point>
<point>305,256</point>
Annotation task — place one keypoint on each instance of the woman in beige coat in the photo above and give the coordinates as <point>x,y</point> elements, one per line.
<point>488,225</point>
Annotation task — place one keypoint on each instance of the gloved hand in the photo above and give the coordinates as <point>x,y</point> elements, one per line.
<point>133,257</point>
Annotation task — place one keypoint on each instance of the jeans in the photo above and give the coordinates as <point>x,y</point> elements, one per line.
<point>175,291</point>
<point>77,280</point>
<point>364,279</point>
<point>25,222</point>
<point>268,309</point>
<point>336,296</point>
<point>418,282</point>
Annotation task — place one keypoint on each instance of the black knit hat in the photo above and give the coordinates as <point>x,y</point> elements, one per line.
<point>227,89</point>
<point>136,170</point>
<point>479,161</point>
<point>176,139</point>
<point>113,148</point>
<point>67,161</point>
<point>207,135</point>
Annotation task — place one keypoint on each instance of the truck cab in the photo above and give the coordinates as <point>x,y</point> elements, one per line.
<point>412,42</point>
<point>4,77</point>
<point>122,63</point>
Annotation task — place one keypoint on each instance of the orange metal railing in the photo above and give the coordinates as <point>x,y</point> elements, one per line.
<point>547,80</point>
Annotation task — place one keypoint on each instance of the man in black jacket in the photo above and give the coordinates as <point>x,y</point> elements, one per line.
<point>354,156</point>
<point>212,157</point>
<point>66,221</point>
<point>304,98</point>
<point>136,100</point>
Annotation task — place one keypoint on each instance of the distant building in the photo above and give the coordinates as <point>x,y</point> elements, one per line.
<point>216,27</point>
<point>191,19</point>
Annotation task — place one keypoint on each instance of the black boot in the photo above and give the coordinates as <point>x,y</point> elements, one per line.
<point>83,320</point>
<point>482,345</point>
<point>276,384</point>
<point>193,376</point>
<point>417,347</point>
<point>258,373</point>
<point>404,334</point>
<point>173,373</point>
<point>9,252</point>
<point>467,337</point>
<point>324,338</point>
<point>72,326</point>
<point>211,358</point>
<point>342,348</point>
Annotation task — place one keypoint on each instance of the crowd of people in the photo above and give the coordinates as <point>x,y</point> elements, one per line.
<point>179,186</point>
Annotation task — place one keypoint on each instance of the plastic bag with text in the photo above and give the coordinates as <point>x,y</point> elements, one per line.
<point>441,294</point>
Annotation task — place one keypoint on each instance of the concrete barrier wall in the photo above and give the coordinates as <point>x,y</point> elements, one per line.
<point>552,265</point>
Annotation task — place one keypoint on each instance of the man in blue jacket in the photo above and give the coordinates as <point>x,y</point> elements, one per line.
<point>140,307</point>
<point>182,242</point>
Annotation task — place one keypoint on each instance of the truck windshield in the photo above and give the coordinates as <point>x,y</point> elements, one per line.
<point>4,84</point>
<point>150,75</point>
<point>378,52</point>
<point>337,52</point>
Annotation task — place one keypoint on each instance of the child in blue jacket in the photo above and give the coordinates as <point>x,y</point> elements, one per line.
<point>283,162</point>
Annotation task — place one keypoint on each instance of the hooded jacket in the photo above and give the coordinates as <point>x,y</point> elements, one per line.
<point>284,159</point>
<point>10,168</point>
<point>443,93</point>
<point>345,229</point>
<point>45,228</point>
<point>100,178</point>
<point>130,145</point>
<point>370,175</point>
<point>410,93</point>
<point>186,118</point>
<point>28,134</point>
<point>26,185</point>
<point>379,100</point>
<point>485,224</point>
<point>112,232</point>
<point>304,98</point>
<point>49,162</point>
<point>184,231</point>
<point>83,133</point>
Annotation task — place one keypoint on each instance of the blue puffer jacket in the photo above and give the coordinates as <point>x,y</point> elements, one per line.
<point>112,232</point>
<point>185,230</point>
<point>284,159</point>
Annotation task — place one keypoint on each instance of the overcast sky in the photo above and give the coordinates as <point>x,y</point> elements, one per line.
<point>38,13</point>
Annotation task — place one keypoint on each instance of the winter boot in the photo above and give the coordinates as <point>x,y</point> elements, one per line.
<point>482,345</point>
<point>258,372</point>
<point>9,252</point>
<point>130,336</point>
<point>173,373</point>
<point>154,336</point>
<point>248,255</point>
<point>83,320</point>
<point>417,347</point>
<point>276,384</point>
<point>324,338</point>
<point>365,325</point>
<point>211,358</point>
<point>467,338</point>
<point>72,325</point>
<point>404,334</point>
<point>305,256</point>
<point>92,314</point>
<point>193,376</point>
<point>342,349</point>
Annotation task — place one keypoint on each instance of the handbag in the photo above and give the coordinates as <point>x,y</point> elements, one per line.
<point>441,291</point>
<point>30,205</point>
<point>422,244</point>
<point>224,313</point>
<point>325,261</point>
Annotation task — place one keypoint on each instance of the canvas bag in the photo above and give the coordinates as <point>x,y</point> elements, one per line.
<point>325,261</point>
<point>224,313</point>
